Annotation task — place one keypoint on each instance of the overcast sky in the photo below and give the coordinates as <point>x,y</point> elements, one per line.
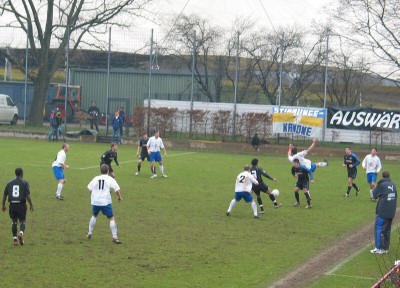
<point>223,12</point>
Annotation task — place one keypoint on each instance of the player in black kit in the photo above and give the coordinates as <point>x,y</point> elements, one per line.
<point>17,191</point>
<point>351,161</point>
<point>258,172</point>
<point>108,157</point>
<point>304,176</point>
<point>144,154</point>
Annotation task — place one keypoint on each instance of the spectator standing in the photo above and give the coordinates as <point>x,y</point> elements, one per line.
<point>122,116</point>
<point>386,192</point>
<point>94,115</point>
<point>116,124</point>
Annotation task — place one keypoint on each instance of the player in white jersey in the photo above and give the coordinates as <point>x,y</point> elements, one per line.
<point>100,196</point>
<point>58,169</point>
<point>293,154</point>
<point>154,146</point>
<point>243,187</point>
<point>372,165</point>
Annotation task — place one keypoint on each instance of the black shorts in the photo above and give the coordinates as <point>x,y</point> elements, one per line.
<point>17,211</point>
<point>261,187</point>
<point>303,185</point>
<point>352,173</point>
<point>144,156</point>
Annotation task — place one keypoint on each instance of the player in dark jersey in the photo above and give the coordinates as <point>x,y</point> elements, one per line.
<point>351,161</point>
<point>258,172</point>
<point>17,191</point>
<point>144,154</point>
<point>304,177</point>
<point>108,157</point>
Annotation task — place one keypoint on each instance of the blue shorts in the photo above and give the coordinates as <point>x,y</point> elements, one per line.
<point>106,210</point>
<point>313,167</point>
<point>155,156</point>
<point>371,177</point>
<point>58,172</point>
<point>245,195</point>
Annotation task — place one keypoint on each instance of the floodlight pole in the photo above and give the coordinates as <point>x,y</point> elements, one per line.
<point>192,89</point>
<point>236,84</point>
<point>66,81</point>
<point>108,78</point>
<point>26,71</point>
<point>325,83</point>
<point>150,74</point>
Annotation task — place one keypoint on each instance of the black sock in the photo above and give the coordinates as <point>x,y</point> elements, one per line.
<point>14,229</point>
<point>296,194</point>
<point>138,167</point>
<point>260,203</point>
<point>22,227</point>
<point>348,189</point>
<point>355,186</point>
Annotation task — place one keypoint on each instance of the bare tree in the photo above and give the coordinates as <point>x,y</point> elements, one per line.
<point>208,67</point>
<point>374,26</point>
<point>305,69</point>
<point>265,50</point>
<point>49,22</point>
<point>347,78</point>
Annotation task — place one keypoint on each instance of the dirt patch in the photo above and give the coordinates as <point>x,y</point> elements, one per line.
<point>309,271</point>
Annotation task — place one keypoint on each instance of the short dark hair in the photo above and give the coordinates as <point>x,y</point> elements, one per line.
<point>19,172</point>
<point>104,168</point>
<point>254,162</point>
<point>246,167</point>
<point>294,150</point>
<point>113,144</point>
<point>348,147</point>
<point>385,174</point>
<point>295,160</point>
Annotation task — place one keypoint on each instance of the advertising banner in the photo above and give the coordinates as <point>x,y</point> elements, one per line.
<point>363,119</point>
<point>299,121</point>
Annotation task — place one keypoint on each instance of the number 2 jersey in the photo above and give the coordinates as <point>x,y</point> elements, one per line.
<point>17,190</point>
<point>100,187</point>
<point>244,182</point>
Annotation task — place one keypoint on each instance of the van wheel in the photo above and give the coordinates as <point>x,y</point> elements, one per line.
<point>14,120</point>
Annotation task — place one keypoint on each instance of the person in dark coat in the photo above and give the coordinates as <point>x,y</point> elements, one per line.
<point>386,192</point>
<point>255,142</point>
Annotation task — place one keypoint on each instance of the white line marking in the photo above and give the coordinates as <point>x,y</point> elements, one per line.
<point>348,276</point>
<point>348,259</point>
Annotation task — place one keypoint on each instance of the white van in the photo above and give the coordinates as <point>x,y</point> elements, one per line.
<point>8,110</point>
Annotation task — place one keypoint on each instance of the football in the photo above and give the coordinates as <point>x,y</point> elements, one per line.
<point>275,192</point>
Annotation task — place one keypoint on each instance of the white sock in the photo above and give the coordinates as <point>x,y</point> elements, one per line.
<point>370,192</point>
<point>92,222</point>
<point>254,207</point>
<point>322,164</point>
<point>233,203</point>
<point>59,189</point>
<point>113,227</point>
<point>162,170</point>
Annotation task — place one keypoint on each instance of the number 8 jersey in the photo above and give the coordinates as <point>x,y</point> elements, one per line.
<point>17,190</point>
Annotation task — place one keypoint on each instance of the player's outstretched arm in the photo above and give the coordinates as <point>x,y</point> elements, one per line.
<point>314,141</point>
<point>119,195</point>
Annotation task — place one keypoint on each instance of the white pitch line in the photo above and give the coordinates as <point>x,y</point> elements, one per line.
<point>349,276</point>
<point>130,161</point>
<point>348,259</point>
<point>351,257</point>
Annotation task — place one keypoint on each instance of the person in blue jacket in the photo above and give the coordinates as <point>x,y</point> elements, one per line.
<point>116,124</point>
<point>351,162</point>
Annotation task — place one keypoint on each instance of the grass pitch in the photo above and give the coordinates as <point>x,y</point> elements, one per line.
<point>174,230</point>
